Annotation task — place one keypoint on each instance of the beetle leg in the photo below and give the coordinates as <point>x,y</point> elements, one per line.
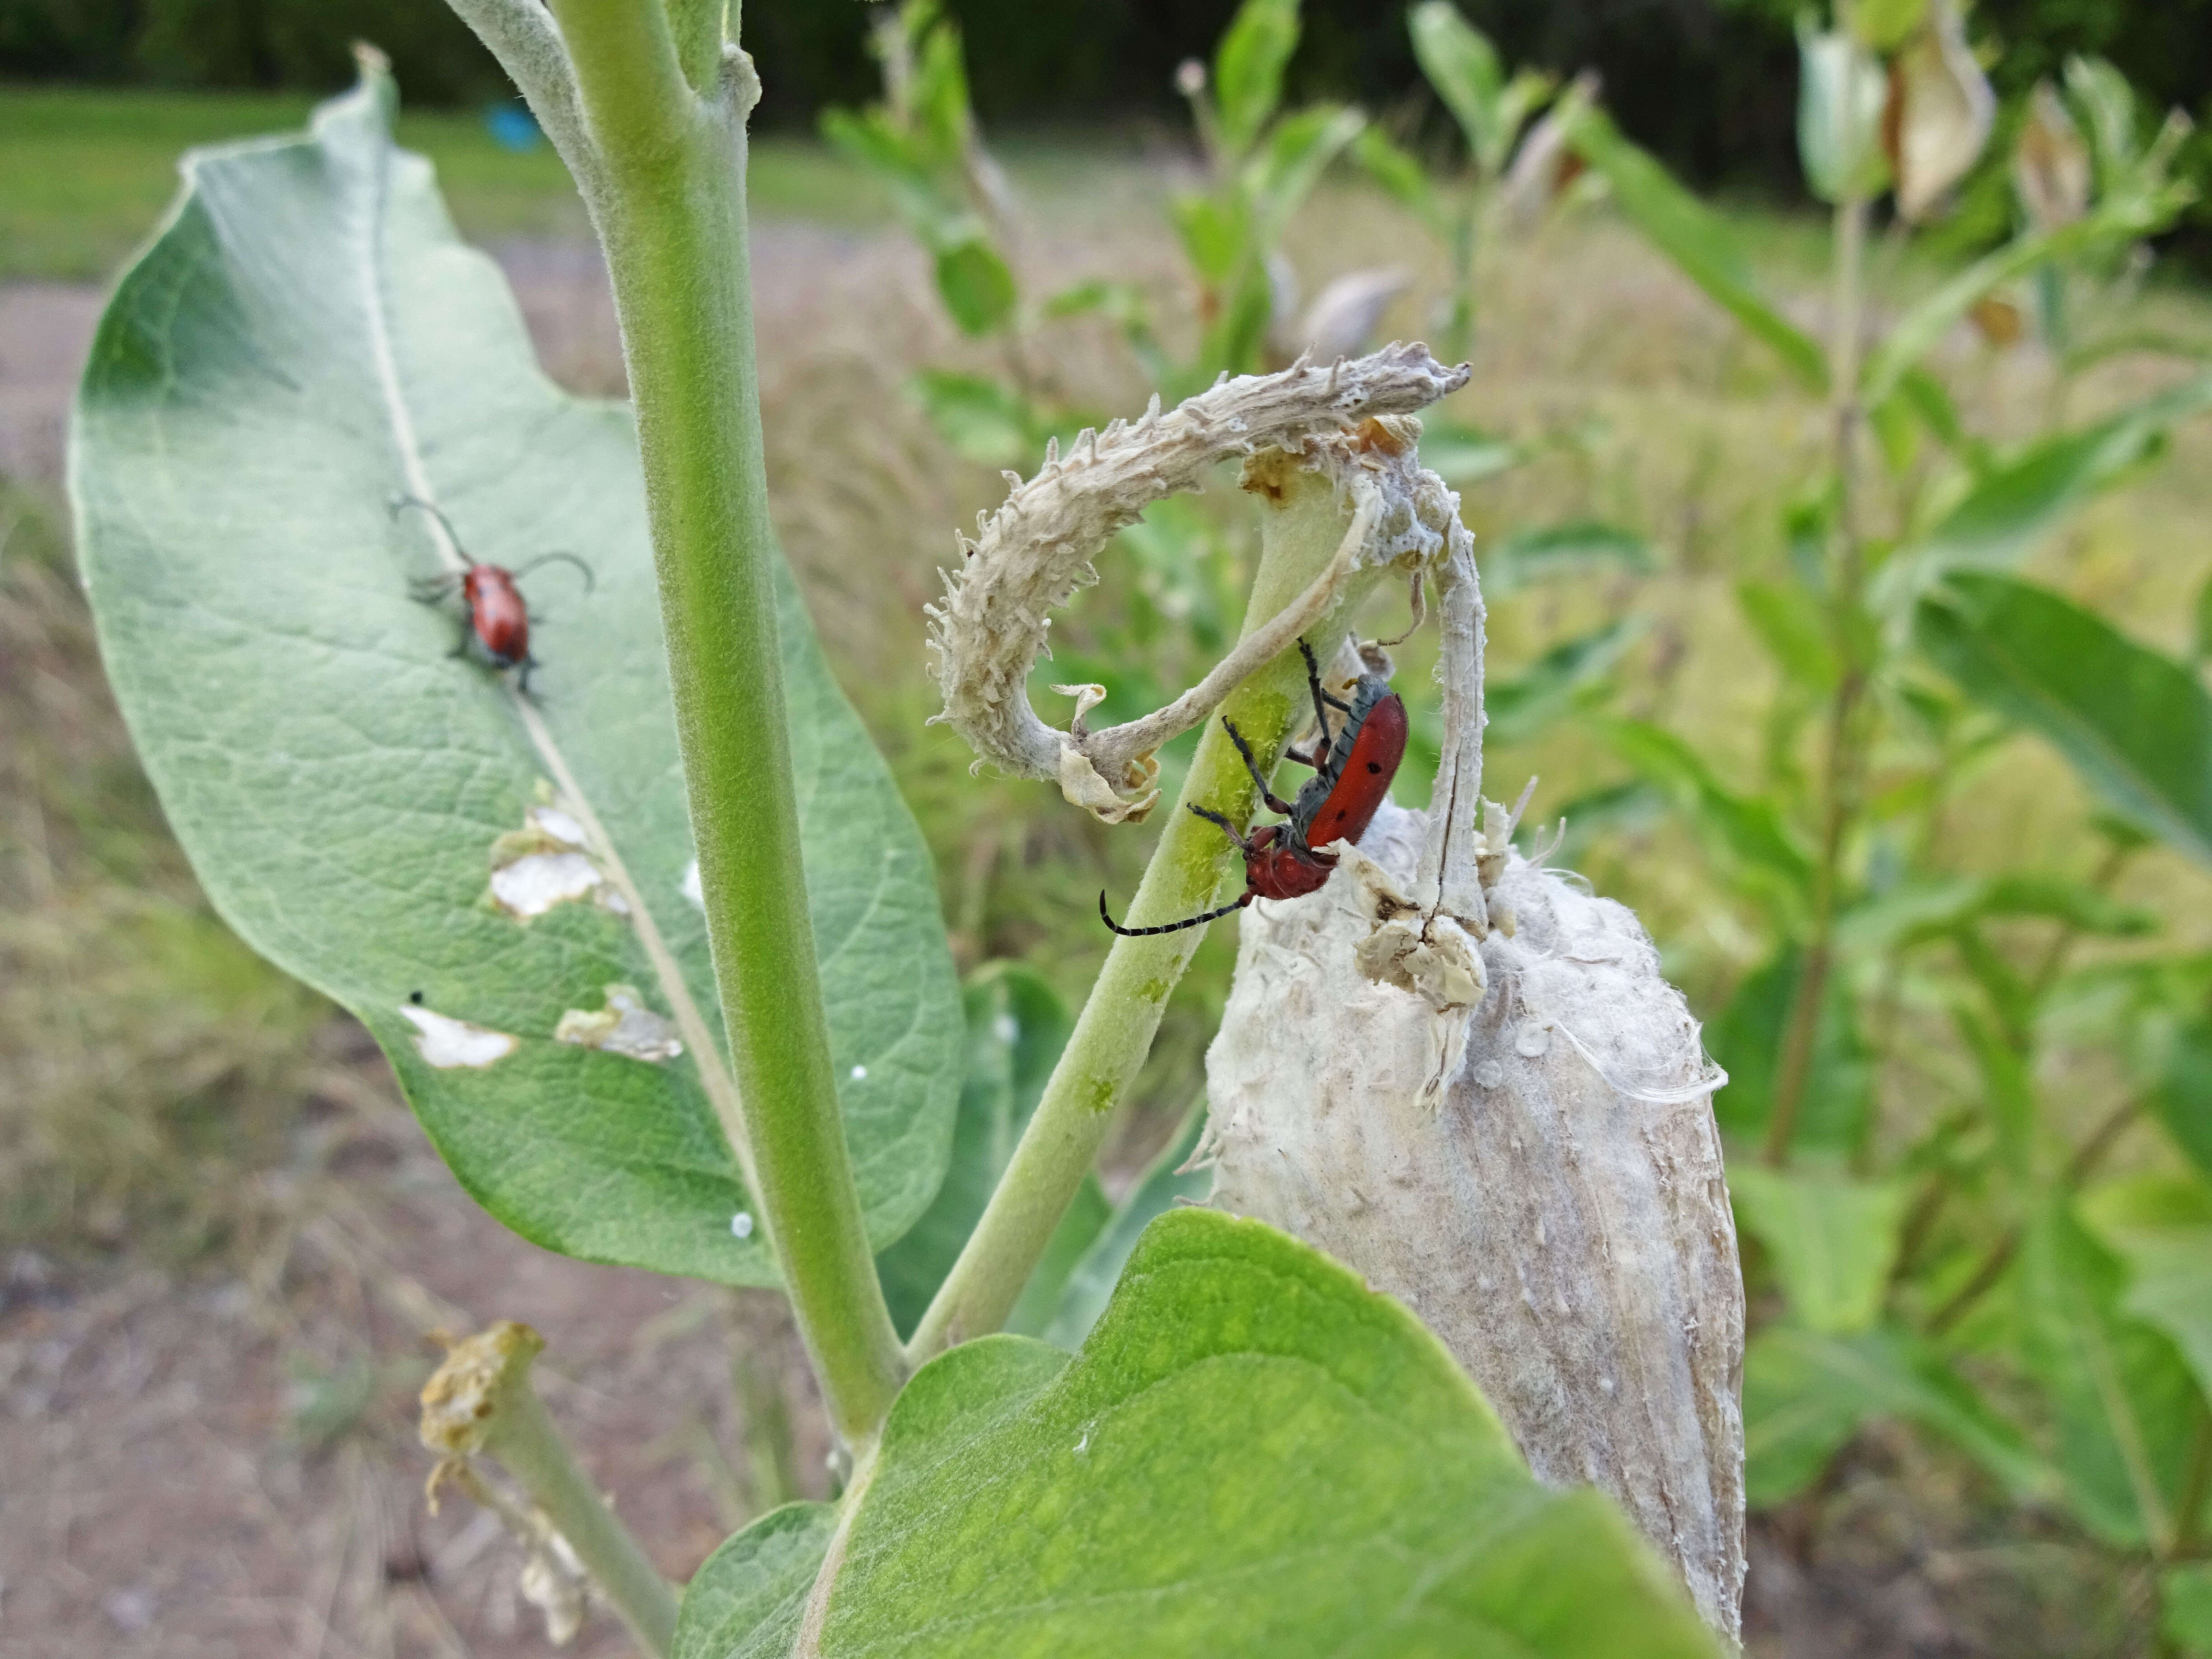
<point>1322,703</point>
<point>1275,803</point>
<point>1227,828</point>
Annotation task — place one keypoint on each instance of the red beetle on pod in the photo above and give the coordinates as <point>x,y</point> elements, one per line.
<point>498,625</point>
<point>1351,776</point>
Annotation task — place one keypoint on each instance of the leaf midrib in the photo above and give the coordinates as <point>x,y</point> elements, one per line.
<point>715,1077</point>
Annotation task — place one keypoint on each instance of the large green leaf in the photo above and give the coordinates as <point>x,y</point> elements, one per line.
<point>306,339</point>
<point>1463,67</point>
<point>1544,552</point>
<point>1943,309</point>
<point>748,1598</point>
<point>2184,1598</point>
<point>1253,1454</point>
<point>1247,67</point>
<point>2137,726</point>
<point>1164,1183</point>
<point>1805,1395</point>
<point>1750,827</point>
<point>977,289</point>
<point>1521,705</point>
<point>1282,174</point>
<point>2125,1406</point>
<point>1695,239</point>
<point>1832,1239</point>
<point>2184,1095</point>
<point>2012,508</point>
<point>1017,1027</point>
<point>1745,1042</point>
<point>2161,1227</point>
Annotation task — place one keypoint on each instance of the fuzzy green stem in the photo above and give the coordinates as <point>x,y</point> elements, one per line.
<point>671,211</point>
<point>480,1400</point>
<point>530,1449</point>
<point>1114,1032</point>
<point>1847,578</point>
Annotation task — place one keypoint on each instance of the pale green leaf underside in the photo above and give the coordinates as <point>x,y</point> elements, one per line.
<point>748,1598</point>
<point>1252,1455</point>
<point>306,339</point>
<point>1833,1240</point>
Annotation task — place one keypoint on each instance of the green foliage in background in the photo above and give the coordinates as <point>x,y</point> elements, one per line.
<point>1961,1271</point>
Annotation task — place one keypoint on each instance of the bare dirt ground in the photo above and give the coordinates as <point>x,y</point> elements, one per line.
<point>222,1462</point>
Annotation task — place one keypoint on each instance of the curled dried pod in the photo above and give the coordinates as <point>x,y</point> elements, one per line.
<point>1036,550</point>
<point>1465,1077</point>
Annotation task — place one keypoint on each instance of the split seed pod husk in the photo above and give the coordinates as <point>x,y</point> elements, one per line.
<point>1940,113</point>
<point>1464,1077</point>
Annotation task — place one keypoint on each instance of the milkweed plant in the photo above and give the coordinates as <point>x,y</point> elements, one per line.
<point>1444,1347</point>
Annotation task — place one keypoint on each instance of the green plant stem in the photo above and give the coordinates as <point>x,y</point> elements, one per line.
<point>1459,331</point>
<point>2195,1488</point>
<point>1114,1034</point>
<point>1847,578</point>
<point>2069,933</point>
<point>481,1399</point>
<point>672,213</point>
<point>528,1446</point>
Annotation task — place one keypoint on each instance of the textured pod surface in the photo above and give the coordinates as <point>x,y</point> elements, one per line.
<point>1561,1220</point>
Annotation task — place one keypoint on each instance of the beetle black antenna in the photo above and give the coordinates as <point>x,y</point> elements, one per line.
<point>1172,927</point>
<point>590,580</point>
<point>435,511</point>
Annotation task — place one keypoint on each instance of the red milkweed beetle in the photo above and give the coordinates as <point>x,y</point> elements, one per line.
<point>1351,774</point>
<point>498,621</point>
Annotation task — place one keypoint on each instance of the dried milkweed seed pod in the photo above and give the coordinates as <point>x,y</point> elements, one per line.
<point>1464,1076</point>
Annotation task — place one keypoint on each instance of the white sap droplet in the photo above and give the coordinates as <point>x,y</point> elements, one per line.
<point>1534,1039</point>
<point>536,882</point>
<point>1489,1074</point>
<point>625,1026</point>
<point>692,890</point>
<point>558,825</point>
<point>741,1226</point>
<point>445,1041</point>
<point>1005,1028</point>
<point>858,1073</point>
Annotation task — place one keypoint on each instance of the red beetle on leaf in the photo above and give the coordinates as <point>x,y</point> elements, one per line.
<point>498,622</point>
<point>1351,776</point>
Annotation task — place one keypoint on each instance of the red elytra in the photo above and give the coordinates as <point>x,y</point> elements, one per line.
<point>498,620</point>
<point>1351,776</point>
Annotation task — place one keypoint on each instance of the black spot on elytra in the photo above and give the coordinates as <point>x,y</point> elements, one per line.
<point>1375,766</point>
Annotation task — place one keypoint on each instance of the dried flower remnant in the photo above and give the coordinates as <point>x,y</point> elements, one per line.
<point>1034,552</point>
<point>460,1403</point>
<point>2051,167</point>
<point>1940,112</point>
<point>1544,167</point>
